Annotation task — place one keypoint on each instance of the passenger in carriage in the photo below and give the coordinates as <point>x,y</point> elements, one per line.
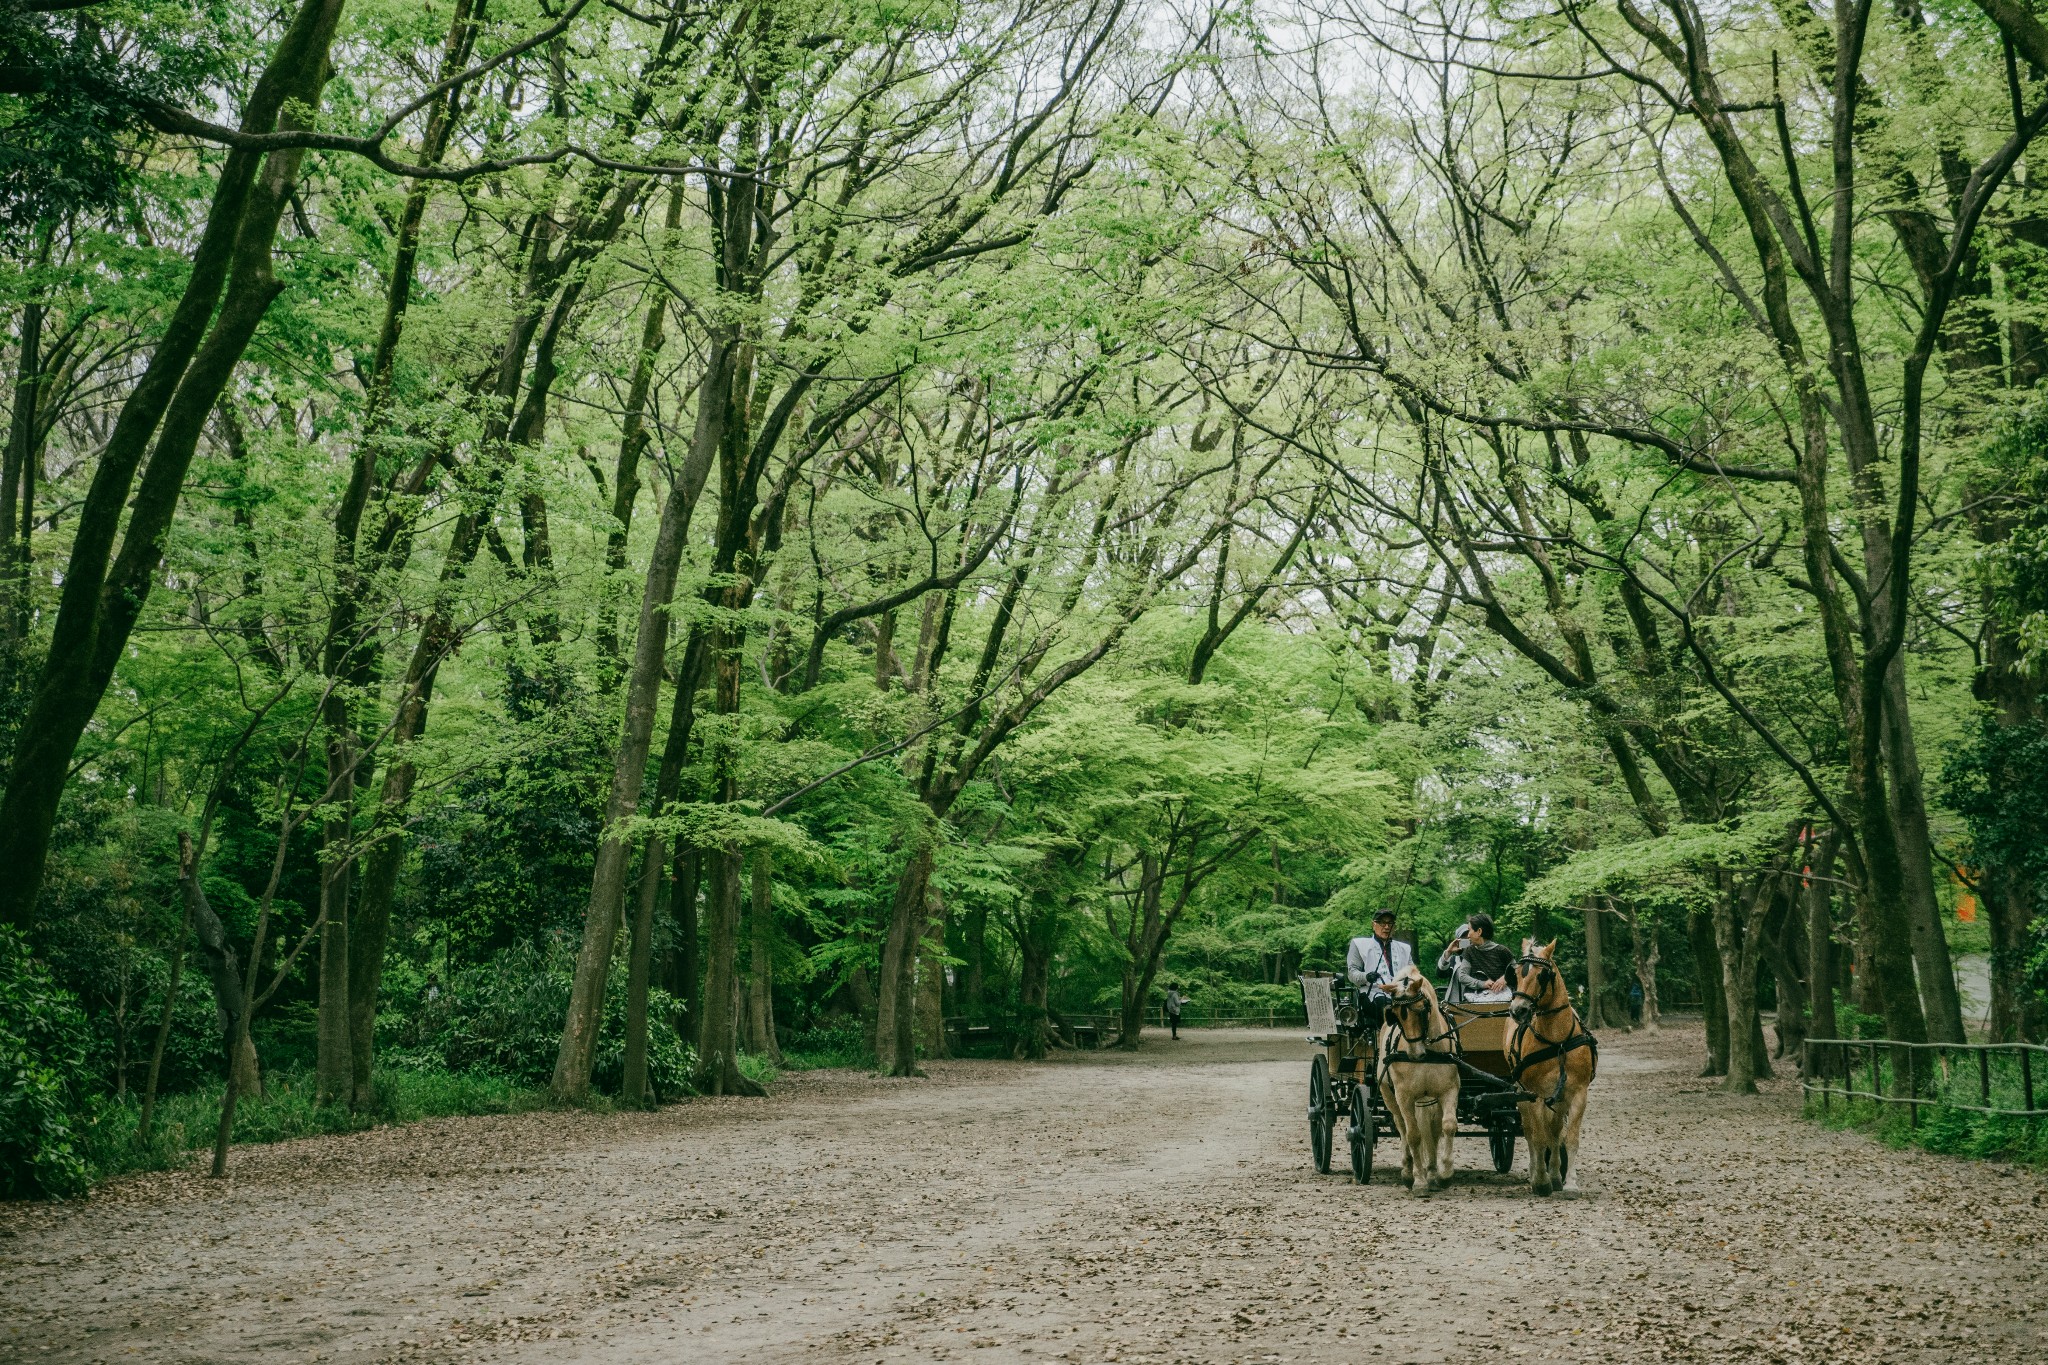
<point>1374,961</point>
<point>1479,967</point>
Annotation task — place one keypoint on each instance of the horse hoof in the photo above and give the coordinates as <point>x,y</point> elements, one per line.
<point>1540,1191</point>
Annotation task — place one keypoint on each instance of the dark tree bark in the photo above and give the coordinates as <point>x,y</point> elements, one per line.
<point>761,960</point>
<point>689,972</point>
<point>103,593</point>
<point>1706,954</point>
<point>163,1029</point>
<point>1596,971</point>
<point>228,994</point>
<point>1821,950</point>
<point>578,1049</point>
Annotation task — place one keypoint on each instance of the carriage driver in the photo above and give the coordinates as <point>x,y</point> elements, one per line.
<point>1375,960</point>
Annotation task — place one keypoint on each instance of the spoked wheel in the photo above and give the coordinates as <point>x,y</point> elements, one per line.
<point>1363,1135</point>
<point>1502,1142</point>
<point>1322,1115</point>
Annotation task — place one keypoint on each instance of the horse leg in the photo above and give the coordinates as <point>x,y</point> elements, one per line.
<point>1396,1103</point>
<point>1447,1136</point>
<point>1568,1141</point>
<point>1428,1120</point>
<point>1423,1125</point>
<point>1536,1127</point>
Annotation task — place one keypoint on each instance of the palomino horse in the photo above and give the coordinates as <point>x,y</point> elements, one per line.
<point>1419,1080</point>
<point>1553,1059</point>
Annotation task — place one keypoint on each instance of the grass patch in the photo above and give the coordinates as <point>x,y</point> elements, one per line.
<point>757,1068</point>
<point>1951,1132</point>
<point>840,1044</point>
<point>187,1122</point>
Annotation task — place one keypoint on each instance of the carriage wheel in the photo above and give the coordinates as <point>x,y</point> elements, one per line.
<point>1322,1117</point>
<point>1502,1141</point>
<point>1363,1135</point>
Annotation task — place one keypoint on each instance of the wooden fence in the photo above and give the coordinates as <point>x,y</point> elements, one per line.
<point>1980,1078</point>
<point>1096,1030</point>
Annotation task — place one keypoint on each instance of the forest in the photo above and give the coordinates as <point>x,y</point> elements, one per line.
<point>582,551</point>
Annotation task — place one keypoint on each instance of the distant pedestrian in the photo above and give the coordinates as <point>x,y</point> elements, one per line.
<point>1174,1000</point>
<point>1635,1004</point>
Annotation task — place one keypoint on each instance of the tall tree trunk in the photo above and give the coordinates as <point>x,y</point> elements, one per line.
<point>1737,960</point>
<point>688,983</point>
<point>1863,987</point>
<point>896,999</point>
<point>228,993</point>
<point>633,1087</point>
<point>349,654</point>
<point>761,964</point>
<point>1644,952</point>
<point>103,594</point>
<point>1706,954</point>
<point>17,475</point>
<point>974,960</point>
<point>931,978</point>
<point>633,442</point>
<point>1596,971</point>
<point>1820,940</point>
<point>2007,892</point>
<point>163,1030</point>
<point>2005,885</point>
<point>1141,952</point>
<point>1038,929</point>
<point>578,1050</point>
<point>654,872</point>
<point>1934,968</point>
<point>334,1071</point>
<point>718,1065</point>
<point>1784,933</point>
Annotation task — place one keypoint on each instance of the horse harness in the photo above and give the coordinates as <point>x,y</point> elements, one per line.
<point>1580,1036</point>
<point>1414,1049</point>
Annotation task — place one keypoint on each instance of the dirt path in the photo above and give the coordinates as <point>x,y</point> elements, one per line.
<point>1104,1208</point>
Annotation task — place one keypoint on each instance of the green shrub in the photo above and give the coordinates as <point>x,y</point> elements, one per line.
<point>286,1109</point>
<point>838,1043</point>
<point>45,1115</point>
<point>1952,1132</point>
<point>504,1018</point>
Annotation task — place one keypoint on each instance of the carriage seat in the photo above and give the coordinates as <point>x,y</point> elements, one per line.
<point>1483,1032</point>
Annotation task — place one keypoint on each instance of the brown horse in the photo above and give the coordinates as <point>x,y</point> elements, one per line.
<point>1419,1080</point>
<point>1553,1058</point>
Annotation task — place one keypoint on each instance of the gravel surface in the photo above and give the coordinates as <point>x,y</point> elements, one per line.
<point>1156,1206</point>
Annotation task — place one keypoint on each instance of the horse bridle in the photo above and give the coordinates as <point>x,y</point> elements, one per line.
<point>1580,1037</point>
<point>1399,1007</point>
<point>1546,973</point>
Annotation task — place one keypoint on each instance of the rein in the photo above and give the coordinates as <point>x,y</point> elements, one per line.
<point>1551,1051</point>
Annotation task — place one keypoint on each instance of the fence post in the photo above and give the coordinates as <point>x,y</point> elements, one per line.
<point>1876,1081</point>
<point>1912,1087</point>
<point>1984,1075</point>
<point>2027,1074</point>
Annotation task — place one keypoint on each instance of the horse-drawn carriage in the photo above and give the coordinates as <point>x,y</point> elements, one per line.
<point>1344,1079</point>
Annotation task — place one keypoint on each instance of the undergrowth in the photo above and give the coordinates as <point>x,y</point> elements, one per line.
<point>842,1043</point>
<point>1951,1132</point>
<point>187,1121</point>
